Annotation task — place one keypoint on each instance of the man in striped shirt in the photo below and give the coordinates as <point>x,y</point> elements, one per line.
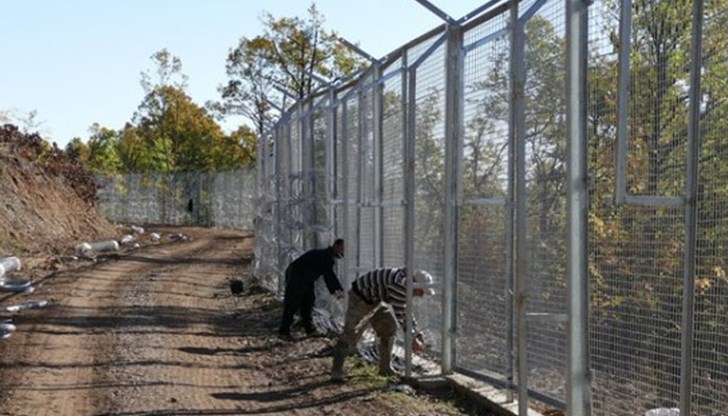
<point>378,297</point>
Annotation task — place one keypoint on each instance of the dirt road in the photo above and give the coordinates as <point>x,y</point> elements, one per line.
<point>156,331</point>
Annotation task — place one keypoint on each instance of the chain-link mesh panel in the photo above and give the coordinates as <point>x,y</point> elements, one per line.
<point>393,172</point>
<point>483,293</point>
<point>296,187</point>
<point>353,184</point>
<point>230,199</point>
<point>545,135</point>
<point>367,196</point>
<point>320,176</point>
<point>657,122</point>
<point>710,377</point>
<point>265,266</point>
<point>429,199</point>
<point>222,199</point>
<point>285,219</point>
<point>483,321</point>
<point>340,191</point>
<point>322,225</point>
<point>636,253</point>
<point>605,336</point>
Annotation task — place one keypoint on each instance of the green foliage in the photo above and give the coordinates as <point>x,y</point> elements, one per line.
<point>170,133</point>
<point>237,149</point>
<point>77,150</point>
<point>102,148</point>
<point>637,264</point>
<point>136,154</point>
<point>281,57</point>
<point>167,133</point>
<point>247,91</point>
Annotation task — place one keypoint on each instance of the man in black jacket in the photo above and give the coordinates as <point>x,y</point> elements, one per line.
<point>301,275</point>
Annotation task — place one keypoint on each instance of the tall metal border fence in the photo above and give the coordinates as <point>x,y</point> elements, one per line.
<point>560,168</point>
<point>212,199</point>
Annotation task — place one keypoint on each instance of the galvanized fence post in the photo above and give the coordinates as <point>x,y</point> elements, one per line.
<point>378,171</point>
<point>691,213</point>
<point>518,118</point>
<point>453,127</point>
<point>578,383</point>
<point>409,233</point>
<point>345,185</point>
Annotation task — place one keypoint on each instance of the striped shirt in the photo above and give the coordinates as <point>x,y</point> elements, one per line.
<point>388,286</point>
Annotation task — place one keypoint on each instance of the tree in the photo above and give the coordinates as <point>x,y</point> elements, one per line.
<point>237,149</point>
<point>184,134</point>
<point>138,155</point>
<point>637,269</point>
<point>156,116</point>
<point>176,134</point>
<point>27,121</point>
<point>282,57</point>
<point>249,87</point>
<point>77,150</point>
<point>102,148</point>
<point>168,72</point>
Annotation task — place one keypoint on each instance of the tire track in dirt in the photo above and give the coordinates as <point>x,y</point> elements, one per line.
<point>57,354</point>
<point>85,354</point>
<point>180,347</point>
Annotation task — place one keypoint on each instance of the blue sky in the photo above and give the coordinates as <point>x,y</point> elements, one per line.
<point>78,62</point>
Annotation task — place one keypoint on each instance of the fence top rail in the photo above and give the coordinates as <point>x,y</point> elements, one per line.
<point>490,14</point>
<point>354,80</point>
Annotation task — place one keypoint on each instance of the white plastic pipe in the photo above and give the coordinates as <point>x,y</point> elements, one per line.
<point>83,249</point>
<point>127,240</point>
<point>102,246</point>
<point>9,264</point>
<point>663,411</point>
<point>88,249</point>
<point>6,327</point>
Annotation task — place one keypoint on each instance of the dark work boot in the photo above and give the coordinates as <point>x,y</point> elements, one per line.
<point>312,332</point>
<point>340,353</point>
<point>285,335</point>
<point>385,356</point>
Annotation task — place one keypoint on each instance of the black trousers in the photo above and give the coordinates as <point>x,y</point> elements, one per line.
<point>299,297</point>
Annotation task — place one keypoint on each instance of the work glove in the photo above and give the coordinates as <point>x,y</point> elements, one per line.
<point>418,342</point>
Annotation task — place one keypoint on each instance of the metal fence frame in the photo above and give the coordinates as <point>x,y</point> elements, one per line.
<point>354,126</point>
<point>211,199</point>
<point>327,169</point>
<point>450,37</point>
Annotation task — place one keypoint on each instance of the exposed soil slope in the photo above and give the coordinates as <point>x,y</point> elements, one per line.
<point>46,201</point>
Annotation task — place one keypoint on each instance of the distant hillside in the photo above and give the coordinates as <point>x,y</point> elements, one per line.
<point>47,201</point>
